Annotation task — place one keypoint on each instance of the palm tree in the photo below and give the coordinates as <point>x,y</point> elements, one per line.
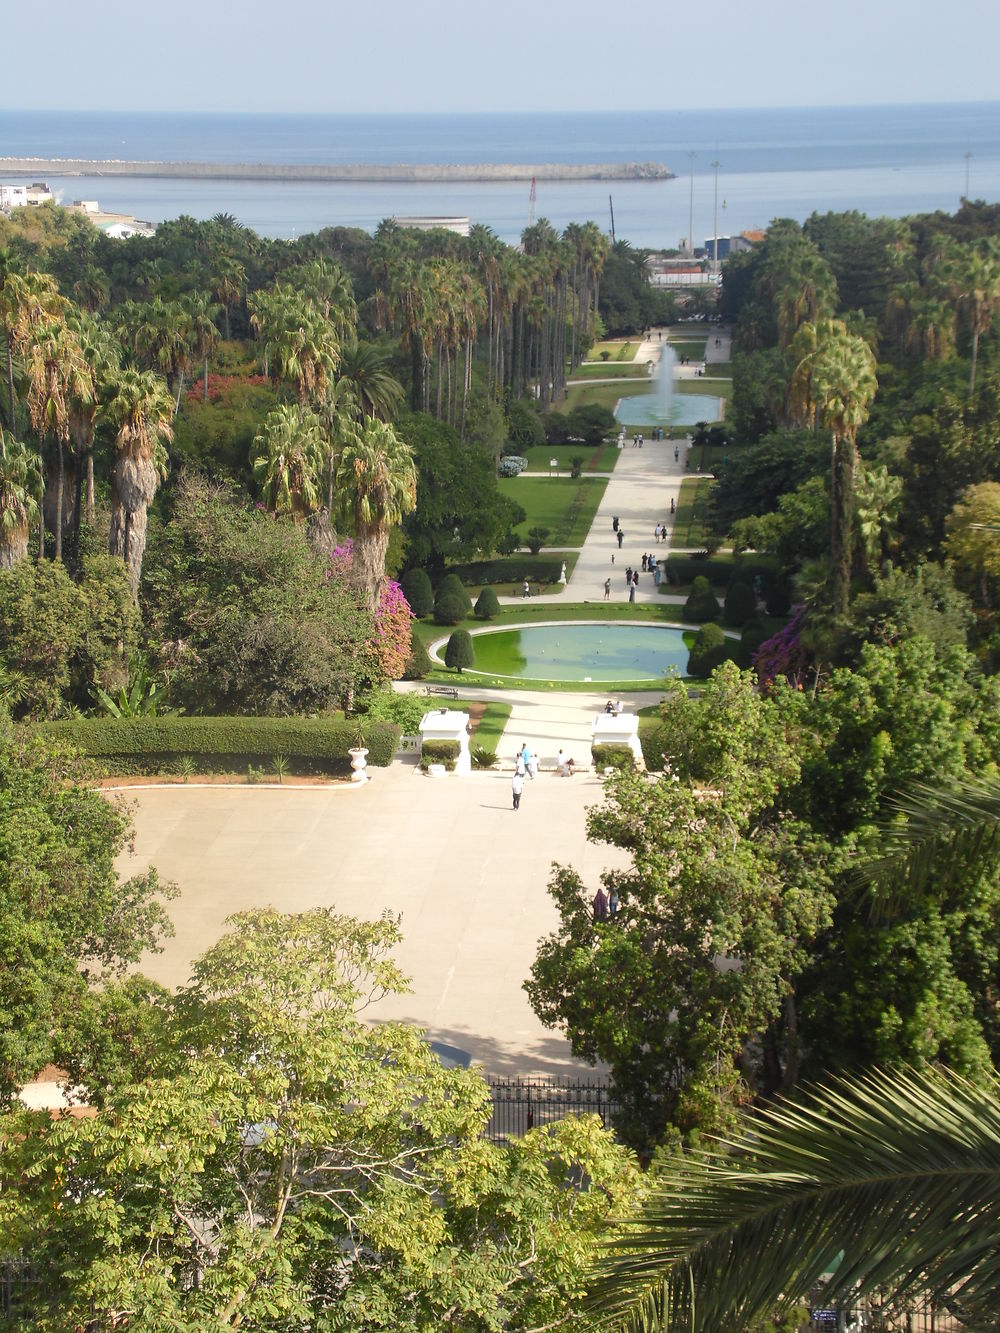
<point>19,476</point>
<point>299,344</point>
<point>878,497</point>
<point>53,363</point>
<point>378,480</point>
<point>101,353</point>
<point>378,392</point>
<point>24,299</point>
<point>141,407</point>
<point>203,335</point>
<point>840,369</point>
<point>230,282</point>
<point>973,273</point>
<point>287,458</point>
<point>886,1185</point>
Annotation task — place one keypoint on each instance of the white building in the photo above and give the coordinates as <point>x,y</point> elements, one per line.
<point>460,226</point>
<point>25,196</point>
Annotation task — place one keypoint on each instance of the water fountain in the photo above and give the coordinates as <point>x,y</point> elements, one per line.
<point>665,384</point>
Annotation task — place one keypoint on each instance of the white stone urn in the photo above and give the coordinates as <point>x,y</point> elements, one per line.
<point>359,763</point>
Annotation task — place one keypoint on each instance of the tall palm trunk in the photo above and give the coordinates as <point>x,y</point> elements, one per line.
<point>440,379</point>
<point>11,400</point>
<point>14,546</point>
<point>60,489</point>
<point>205,378</point>
<point>41,498</point>
<point>368,560</point>
<point>842,497</point>
<point>90,487</point>
<point>465,386</point>
<point>975,358</point>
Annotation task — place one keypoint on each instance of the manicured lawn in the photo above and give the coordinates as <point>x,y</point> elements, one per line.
<point>607,395</point>
<point>692,348</point>
<point>621,349</point>
<point>601,459</point>
<point>688,528</point>
<point>564,505</point>
<point>590,370</point>
<point>721,388</point>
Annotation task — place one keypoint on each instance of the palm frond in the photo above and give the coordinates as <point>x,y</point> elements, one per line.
<point>891,1180</point>
<point>945,834</point>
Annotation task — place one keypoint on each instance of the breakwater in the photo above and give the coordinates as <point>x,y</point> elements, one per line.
<point>40,167</point>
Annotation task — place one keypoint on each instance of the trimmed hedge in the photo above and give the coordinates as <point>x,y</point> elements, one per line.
<point>418,663</point>
<point>450,609</point>
<point>512,569</point>
<point>741,604</point>
<point>440,752</point>
<point>701,604</point>
<point>459,652</point>
<point>418,592</point>
<point>487,605</point>
<point>323,740</point>
<point>711,648</point>
<point>613,755</point>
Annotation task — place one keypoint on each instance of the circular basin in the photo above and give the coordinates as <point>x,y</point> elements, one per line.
<point>579,651</point>
<point>685,409</point>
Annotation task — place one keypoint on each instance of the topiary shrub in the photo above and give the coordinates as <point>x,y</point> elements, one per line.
<point>449,609</point>
<point>418,663</point>
<point>459,653</point>
<point>439,752</point>
<point>701,603</point>
<point>418,591</point>
<point>453,584</point>
<point>536,539</point>
<point>741,603</point>
<point>613,755</point>
<point>511,465</point>
<point>487,605</point>
<point>779,600</point>
<point>755,632</point>
<point>711,648</point>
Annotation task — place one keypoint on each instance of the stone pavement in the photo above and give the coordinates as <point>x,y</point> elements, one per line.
<point>467,874</point>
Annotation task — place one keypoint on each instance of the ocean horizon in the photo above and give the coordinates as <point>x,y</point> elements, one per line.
<point>780,162</point>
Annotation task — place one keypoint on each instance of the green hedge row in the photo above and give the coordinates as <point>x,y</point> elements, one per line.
<point>512,569</point>
<point>325,740</point>
<point>611,754</point>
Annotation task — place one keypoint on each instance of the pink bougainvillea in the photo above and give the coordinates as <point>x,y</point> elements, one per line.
<point>391,646</point>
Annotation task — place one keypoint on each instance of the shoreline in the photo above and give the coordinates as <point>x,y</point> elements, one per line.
<point>370,173</point>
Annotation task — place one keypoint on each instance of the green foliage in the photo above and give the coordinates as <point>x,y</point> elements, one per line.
<point>482,757</point>
<point>451,583</point>
<point>449,608</point>
<point>701,603</point>
<point>487,605</point>
<point>64,638</point>
<point>741,603</point>
<point>418,592</point>
<point>271,1128</point>
<point>244,615</point>
<point>537,537</point>
<point>459,653</point>
<point>524,425</point>
<point>418,662</point>
<point>404,710</point>
<point>141,698</point>
<point>710,649</point>
<point>609,754</point>
<point>66,919</point>
<point>710,872</point>
<point>755,632</point>
<point>322,739</point>
<point>460,510</point>
<point>512,569</point>
<point>439,752</point>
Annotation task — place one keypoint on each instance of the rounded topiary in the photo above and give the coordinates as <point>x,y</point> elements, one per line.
<point>741,603</point>
<point>453,584</point>
<point>779,600</point>
<point>459,652</point>
<point>755,632</point>
<point>418,591</point>
<point>418,662</point>
<point>701,603</point>
<point>450,609</point>
<point>487,605</point>
<point>711,648</point>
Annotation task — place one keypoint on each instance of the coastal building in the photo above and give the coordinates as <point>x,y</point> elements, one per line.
<point>460,226</point>
<point>118,226</point>
<point>25,196</point>
<point>728,245</point>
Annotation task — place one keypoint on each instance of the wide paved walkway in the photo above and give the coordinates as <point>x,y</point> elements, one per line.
<point>467,874</point>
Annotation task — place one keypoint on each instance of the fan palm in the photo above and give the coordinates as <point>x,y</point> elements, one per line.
<point>888,1183</point>
<point>973,274</point>
<point>141,407</point>
<point>19,477</point>
<point>287,459</point>
<point>378,480</point>
<point>378,392</point>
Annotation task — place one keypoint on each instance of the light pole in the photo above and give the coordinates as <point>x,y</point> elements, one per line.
<point>968,159</point>
<point>715,223</point>
<point>691,209</point>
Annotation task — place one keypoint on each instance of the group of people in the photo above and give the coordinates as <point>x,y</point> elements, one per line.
<point>606,904</point>
<point>614,706</point>
<point>526,766</point>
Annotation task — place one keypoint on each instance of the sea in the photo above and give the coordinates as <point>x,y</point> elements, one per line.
<point>735,169</point>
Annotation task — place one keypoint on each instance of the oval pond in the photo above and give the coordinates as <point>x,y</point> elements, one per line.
<point>576,651</point>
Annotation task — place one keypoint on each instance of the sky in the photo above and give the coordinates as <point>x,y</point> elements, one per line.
<point>509,55</point>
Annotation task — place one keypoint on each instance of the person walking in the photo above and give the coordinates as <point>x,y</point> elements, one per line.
<point>631,592</point>
<point>677,453</point>
<point>517,787</point>
<point>614,523</point>
<point>607,590</point>
<point>671,505</point>
<point>600,905</point>
<point>628,576</point>
<point>656,534</point>
<point>613,904</point>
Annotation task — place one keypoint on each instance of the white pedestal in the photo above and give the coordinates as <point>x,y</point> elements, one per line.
<point>446,724</point>
<point>618,729</point>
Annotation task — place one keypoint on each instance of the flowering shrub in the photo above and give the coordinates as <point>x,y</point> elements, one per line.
<point>512,465</point>
<point>222,386</point>
<point>391,645</point>
<point>784,654</point>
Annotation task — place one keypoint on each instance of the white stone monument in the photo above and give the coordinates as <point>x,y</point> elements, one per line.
<point>446,724</point>
<point>619,729</point>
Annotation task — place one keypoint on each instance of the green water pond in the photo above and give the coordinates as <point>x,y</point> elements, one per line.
<point>581,651</point>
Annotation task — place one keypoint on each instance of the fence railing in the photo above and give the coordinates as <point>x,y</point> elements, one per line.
<point>523,1104</point>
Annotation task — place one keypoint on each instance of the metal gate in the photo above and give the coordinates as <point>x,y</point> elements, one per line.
<point>523,1104</point>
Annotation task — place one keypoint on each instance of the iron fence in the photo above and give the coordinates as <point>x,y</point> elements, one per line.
<point>523,1104</point>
